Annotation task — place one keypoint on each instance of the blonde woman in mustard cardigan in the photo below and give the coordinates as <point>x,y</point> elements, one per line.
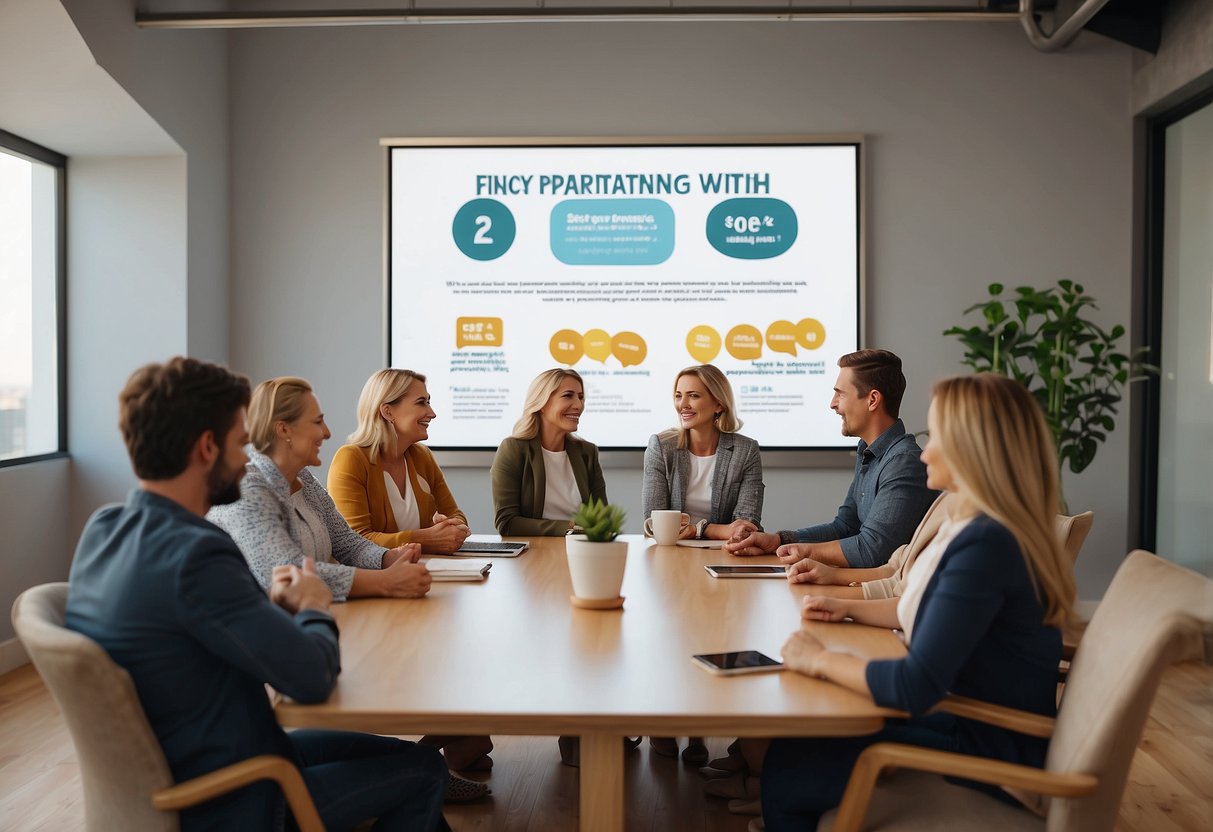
<point>391,491</point>
<point>388,487</point>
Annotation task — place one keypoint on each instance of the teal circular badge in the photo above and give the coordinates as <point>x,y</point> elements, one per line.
<point>483,229</point>
<point>752,228</point>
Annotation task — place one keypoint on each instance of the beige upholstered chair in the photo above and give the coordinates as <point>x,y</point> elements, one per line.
<point>1072,531</point>
<point>127,783</point>
<point>1154,613</point>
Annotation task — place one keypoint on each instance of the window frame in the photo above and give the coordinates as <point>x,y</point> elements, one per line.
<point>17,146</point>
<point>1146,401</point>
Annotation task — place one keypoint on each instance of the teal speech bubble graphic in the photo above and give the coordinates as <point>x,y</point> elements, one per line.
<point>483,229</point>
<point>752,228</point>
<point>612,232</point>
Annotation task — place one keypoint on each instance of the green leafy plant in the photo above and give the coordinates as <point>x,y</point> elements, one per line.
<point>1042,339</point>
<point>600,522</point>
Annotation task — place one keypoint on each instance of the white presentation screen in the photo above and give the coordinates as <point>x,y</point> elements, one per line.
<point>626,263</point>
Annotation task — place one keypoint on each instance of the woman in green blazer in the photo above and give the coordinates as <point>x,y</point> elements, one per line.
<point>544,471</point>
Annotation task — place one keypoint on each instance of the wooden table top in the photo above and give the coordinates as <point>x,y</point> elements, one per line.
<point>511,655</point>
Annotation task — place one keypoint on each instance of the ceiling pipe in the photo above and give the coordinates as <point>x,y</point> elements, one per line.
<point>1062,35</point>
<point>410,16</point>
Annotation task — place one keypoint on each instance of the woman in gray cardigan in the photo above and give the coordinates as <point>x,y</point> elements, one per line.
<point>544,471</point>
<point>704,467</point>
<point>284,515</point>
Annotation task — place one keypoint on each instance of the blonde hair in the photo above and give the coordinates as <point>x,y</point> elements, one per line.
<point>374,432</point>
<point>997,443</point>
<point>275,400</point>
<point>719,389</point>
<point>537,395</point>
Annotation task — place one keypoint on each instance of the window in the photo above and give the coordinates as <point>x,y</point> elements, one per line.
<point>32,376</point>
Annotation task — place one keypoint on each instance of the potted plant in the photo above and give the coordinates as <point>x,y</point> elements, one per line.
<point>596,559</point>
<point>1041,339</point>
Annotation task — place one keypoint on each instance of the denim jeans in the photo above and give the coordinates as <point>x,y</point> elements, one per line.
<point>804,778</point>
<point>353,777</point>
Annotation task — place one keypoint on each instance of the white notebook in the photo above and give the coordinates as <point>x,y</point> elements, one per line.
<point>462,569</point>
<point>700,544</point>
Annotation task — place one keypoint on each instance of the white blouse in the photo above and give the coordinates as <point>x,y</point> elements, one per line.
<point>699,488</point>
<point>562,496</point>
<point>404,506</point>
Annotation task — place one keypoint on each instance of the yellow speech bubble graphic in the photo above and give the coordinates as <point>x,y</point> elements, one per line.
<point>703,343</point>
<point>597,345</point>
<point>744,342</point>
<point>629,348</point>
<point>566,346</point>
<point>781,337</point>
<point>810,333</point>
<point>478,332</point>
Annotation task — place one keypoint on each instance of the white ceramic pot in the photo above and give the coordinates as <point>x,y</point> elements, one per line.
<point>596,568</point>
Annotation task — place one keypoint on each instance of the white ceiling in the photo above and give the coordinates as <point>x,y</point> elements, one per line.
<point>53,93</point>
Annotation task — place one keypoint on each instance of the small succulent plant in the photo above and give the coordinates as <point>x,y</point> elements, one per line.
<point>600,522</point>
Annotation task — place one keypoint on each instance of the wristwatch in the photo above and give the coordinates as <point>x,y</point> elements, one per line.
<point>700,527</point>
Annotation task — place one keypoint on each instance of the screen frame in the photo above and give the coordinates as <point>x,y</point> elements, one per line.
<point>627,455</point>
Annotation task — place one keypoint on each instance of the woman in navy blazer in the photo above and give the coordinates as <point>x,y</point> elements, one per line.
<point>982,613</point>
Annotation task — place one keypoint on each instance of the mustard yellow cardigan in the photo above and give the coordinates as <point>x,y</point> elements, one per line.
<point>357,487</point>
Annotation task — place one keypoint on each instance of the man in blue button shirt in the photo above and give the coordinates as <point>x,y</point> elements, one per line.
<point>171,599</point>
<point>888,496</point>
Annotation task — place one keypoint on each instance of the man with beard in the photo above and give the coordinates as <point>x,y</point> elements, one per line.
<point>888,496</point>
<point>170,598</point>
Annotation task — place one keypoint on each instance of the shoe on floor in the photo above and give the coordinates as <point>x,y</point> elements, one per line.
<point>665,746</point>
<point>756,825</point>
<point>460,790</point>
<point>746,807</point>
<point>728,764</point>
<point>484,763</point>
<point>696,753</point>
<point>737,787</point>
<point>709,773</point>
<point>570,751</point>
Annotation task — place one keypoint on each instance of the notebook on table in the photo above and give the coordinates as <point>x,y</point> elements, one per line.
<point>700,544</point>
<point>491,546</point>
<point>458,570</point>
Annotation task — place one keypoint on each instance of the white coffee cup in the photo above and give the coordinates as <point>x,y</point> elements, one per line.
<point>665,525</point>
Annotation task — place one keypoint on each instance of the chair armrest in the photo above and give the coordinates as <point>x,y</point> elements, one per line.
<point>229,778</point>
<point>876,758</point>
<point>1013,719</point>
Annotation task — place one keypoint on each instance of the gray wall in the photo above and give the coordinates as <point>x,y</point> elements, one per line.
<point>987,161</point>
<point>127,286</point>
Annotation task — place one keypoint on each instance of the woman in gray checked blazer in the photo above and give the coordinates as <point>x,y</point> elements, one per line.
<point>704,467</point>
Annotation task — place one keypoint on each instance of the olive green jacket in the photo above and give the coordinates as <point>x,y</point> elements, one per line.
<point>520,484</point>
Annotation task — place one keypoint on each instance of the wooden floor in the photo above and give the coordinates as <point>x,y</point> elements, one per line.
<point>1170,786</point>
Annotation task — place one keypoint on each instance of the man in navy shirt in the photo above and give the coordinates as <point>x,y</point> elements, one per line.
<point>888,496</point>
<point>171,599</point>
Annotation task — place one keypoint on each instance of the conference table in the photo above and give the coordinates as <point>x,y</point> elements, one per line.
<point>512,656</point>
